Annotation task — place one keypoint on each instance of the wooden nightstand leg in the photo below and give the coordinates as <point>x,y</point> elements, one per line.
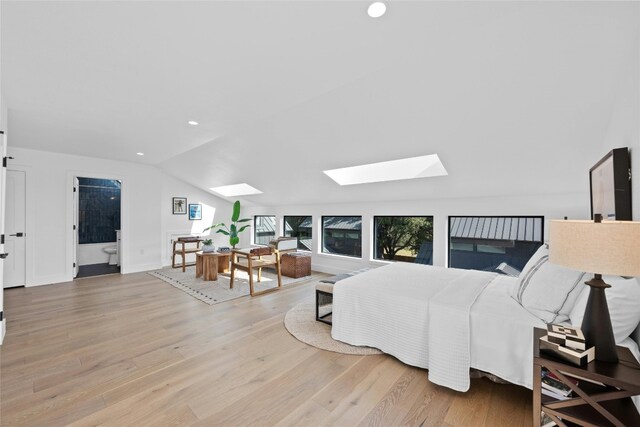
<point>537,403</point>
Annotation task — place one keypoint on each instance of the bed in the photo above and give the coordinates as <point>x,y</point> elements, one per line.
<point>450,320</point>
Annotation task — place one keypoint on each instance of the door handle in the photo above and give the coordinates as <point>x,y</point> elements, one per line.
<point>3,256</point>
<point>17,235</point>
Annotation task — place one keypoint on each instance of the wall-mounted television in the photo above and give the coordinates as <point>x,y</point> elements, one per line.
<point>610,181</point>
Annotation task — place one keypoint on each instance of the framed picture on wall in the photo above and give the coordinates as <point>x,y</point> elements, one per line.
<point>179,205</point>
<point>195,211</point>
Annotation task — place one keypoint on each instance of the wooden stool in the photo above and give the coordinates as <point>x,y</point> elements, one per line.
<point>209,264</point>
<point>324,296</point>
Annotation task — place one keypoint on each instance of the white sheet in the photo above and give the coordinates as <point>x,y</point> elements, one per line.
<point>387,308</point>
<point>449,329</point>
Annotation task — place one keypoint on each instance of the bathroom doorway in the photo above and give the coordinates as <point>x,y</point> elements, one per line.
<point>97,221</point>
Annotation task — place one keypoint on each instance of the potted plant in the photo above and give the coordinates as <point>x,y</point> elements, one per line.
<point>233,229</point>
<point>207,246</point>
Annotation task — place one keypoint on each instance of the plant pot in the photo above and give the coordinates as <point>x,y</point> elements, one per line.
<point>208,248</point>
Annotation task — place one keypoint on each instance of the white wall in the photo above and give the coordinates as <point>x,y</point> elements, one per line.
<point>93,253</point>
<point>214,210</point>
<point>552,206</point>
<point>624,126</point>
<point>50,212</point>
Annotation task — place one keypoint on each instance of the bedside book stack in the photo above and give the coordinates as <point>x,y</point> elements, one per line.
<point>553,387</point>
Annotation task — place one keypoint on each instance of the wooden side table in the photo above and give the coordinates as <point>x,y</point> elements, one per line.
<point>595,405</point>
<point>184,250</point>
<point>209,264</point>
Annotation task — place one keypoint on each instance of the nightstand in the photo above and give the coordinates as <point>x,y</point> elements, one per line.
<point>602,396</point>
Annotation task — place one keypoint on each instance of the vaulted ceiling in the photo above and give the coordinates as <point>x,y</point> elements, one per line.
<point>514,97</point>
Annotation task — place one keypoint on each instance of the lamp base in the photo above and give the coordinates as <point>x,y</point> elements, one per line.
<point>596,323</point>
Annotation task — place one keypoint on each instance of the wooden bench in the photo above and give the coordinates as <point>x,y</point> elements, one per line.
<point>183,250</point>
<point>324,296</point>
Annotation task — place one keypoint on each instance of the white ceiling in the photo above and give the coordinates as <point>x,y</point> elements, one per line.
<point>514,97</point>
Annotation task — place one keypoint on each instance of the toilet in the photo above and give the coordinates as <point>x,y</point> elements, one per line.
<point>113,254</point>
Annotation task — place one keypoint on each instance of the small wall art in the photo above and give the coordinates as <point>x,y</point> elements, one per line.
<point>195,211</point>
<point>179,205</point>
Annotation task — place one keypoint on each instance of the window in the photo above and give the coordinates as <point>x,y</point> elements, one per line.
<point>485,243</point>
<point>300,227</point>
<point>264,229</point>
<point>342,235</point>
<point>404,238</point>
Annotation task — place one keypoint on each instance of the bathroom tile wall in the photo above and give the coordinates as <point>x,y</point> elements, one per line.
<point>99,210</point>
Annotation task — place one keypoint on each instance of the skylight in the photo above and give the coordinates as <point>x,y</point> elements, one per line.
<point>394,170</point>
<point>243,189</point>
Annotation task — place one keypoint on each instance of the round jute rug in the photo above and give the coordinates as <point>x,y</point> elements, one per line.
<point>301,322</point>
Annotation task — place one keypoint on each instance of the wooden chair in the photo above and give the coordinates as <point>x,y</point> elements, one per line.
<point>183,250</point>
<point>251,259</point>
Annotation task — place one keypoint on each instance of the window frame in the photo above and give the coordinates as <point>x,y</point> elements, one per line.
<point>322,251</point>
<point>255,227</point>
<point>450,217</point>
<point>375,234</point>
<point>284,230</point>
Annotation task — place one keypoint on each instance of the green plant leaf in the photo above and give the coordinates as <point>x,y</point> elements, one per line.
<point>236,211</point>
<point>226,233</point>
<point>233,241</point>
<point>244,220</point>
<point>243,228</point>
<point>233,228</point>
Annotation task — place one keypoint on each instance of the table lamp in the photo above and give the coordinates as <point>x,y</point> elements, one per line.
<point>609,247</point>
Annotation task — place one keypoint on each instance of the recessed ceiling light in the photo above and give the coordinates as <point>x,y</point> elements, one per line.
<point>140,154</point>
<point>377,9</point>
<point>243,189</point>
<point>193,123</point>
<point>394,170</point>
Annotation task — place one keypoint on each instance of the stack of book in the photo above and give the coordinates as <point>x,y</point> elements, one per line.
<point>567,343</point>
<point>553,387</point>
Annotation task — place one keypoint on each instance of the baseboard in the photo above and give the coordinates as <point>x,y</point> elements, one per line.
<point>47,280</point>
<point>141,268</point>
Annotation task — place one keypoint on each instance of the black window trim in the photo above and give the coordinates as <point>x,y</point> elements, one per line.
<point>322,252</point>
<point>485,216</point>
<point>375,234</point>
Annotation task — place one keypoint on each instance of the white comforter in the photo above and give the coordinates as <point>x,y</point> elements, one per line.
<point>388,308</point>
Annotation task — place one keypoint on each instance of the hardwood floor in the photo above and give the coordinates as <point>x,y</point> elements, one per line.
<point>132,350</point>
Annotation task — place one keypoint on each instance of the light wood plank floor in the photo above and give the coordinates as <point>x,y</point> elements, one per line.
<point>132,350</point>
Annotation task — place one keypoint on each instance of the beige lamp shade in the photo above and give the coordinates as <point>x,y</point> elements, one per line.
<point>609,247</point>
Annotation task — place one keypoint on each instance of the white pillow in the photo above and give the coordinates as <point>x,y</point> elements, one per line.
<point>529,268</point>
<point>551,291</point>
<point>623,299</point>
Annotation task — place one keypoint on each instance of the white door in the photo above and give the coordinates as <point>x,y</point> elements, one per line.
<point>3,153</point>
<point>14,243</point>
<point>76,228</point>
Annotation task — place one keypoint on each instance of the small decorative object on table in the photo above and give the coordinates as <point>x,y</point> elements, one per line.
<point>567,343</point>
<point>566,336</point>
<point>207,246</point>
<point>224,249</point>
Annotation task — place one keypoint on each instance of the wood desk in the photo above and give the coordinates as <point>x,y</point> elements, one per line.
<point>209,264</point>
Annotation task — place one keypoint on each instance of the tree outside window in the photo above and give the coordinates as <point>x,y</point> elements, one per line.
<point>404,238</point>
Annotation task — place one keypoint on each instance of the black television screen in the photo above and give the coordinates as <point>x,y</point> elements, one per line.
<point>610,181</point>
